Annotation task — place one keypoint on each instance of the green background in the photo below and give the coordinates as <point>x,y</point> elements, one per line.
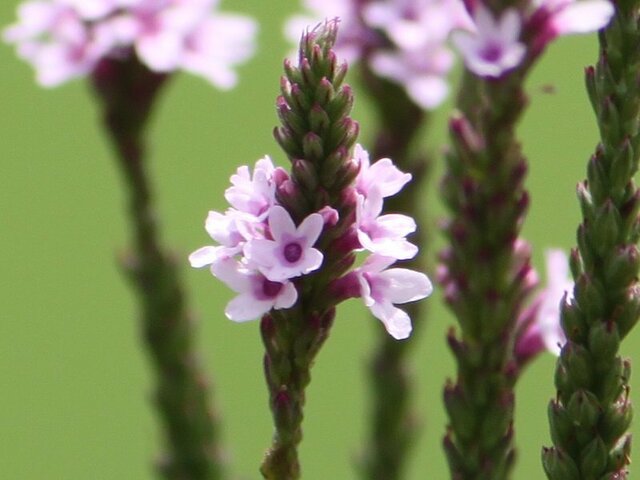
<point>74,381</point>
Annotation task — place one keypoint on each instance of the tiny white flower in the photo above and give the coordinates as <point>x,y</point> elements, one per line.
<point>494,47</point>
<point>290,253</point>
<point>382,287</point>
<point>256,294</point>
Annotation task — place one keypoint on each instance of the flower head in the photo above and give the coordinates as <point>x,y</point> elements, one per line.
<point>64,39</point>
<point>493,47</point>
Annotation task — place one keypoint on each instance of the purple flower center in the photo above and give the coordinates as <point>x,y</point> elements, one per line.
<point>292,252</point>
<point>492,52</point>
<point>271,289</point>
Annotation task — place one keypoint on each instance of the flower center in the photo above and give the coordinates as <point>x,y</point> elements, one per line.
<point>271,289</point>
<point>292,252</point>
<point>492,53</point>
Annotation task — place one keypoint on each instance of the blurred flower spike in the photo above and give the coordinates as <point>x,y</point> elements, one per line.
<point>65,39</point>
<point>262,253</point>
<point>493,45</point>
<point>403,41</point>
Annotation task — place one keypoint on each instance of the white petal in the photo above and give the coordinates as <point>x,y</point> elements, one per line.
<point>398,224</point>
<point>261,252</point>
<point>583,17</point>
<point>310,229</point>
<point>311,261</point>
<point>204,256</point>
<point>280,223</point>
<point>287,296</point>
<point>510,25</point>
<point>389,178</point>
<point>406,285</point>
<point>229,271</point>
<point>428,91</point>
<point>396,321</point>
<point>376,263</point>
<point>246,307</point>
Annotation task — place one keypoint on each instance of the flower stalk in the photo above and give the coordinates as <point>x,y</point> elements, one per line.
<point>590,417</point>
<point>128,91</point>
<point>317,136</point>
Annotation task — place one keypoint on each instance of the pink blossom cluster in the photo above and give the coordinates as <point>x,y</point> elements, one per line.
<point>539,325</point>
<point>64,39</point>
<point>261,252</point>
<point>402,40</point>
<point>495,45</point>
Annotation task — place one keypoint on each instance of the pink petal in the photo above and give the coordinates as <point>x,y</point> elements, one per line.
<point>287,296</point>
<point>396,321</point>
<point>310,229</point>
<point>245,307</point>
<point>280,223</point>
<point>583,17</point>
<point>406,285</point>
<point>204,256</point>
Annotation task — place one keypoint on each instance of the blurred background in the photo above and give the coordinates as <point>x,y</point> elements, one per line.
<point>74,381</point>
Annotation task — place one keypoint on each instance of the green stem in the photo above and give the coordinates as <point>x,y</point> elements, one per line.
<point>128,91</point>
<point>590,418</point>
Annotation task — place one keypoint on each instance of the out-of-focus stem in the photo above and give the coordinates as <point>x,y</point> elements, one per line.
<point>392,424</point>
<point>128,91</point>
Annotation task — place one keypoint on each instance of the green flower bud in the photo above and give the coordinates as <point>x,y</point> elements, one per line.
<point>461,416</point>
<point>604,342</point>
<point>319,120</point>
<point>312,147</point>
<point>606,228</point>
<point>594,459</point>
<point>558,465</point>
<point>560,423</point>
<point>616,421</point>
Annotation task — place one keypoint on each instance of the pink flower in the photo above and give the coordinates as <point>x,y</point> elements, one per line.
<point>382,287</point>
<point>539,325</point>
<point>383,234</point>
<point>493,48</point>
<point>559,284</point>
<point>290,253</point>
<point>383,174</point>
<point>256,294</point>
<point>64,39</point>
<point>253,194</point>
<point>230,230</point>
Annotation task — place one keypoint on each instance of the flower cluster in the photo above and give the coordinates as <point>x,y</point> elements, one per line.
<point>539,326</point>
<point>493,46</point>
<point>402,40</point>
<point>64,39</point>
<point>262,253</point>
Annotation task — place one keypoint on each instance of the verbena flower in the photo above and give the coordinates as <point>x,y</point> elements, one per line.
<point>262,251</point>
<point>493,46</point>
<point>382,287</point>
<point>403,41</point>
<point>64,39</point>
<point>540,327</point>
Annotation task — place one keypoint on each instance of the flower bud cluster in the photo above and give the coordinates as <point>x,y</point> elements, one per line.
<point>403,41</point>
<point>65,39</point>
<point>262,252</point>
